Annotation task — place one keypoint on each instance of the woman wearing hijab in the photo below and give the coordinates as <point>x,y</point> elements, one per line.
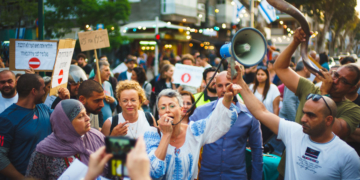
<point>72,138</point>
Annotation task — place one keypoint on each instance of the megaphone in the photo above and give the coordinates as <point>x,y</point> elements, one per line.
<point>248,47</point>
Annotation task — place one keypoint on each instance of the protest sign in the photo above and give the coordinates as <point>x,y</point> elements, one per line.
<point>40,55</point>
<point>188,75</point>
<point>60,73</point>
<point>92,40</point>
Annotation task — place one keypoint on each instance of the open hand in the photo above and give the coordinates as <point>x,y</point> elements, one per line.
<point>97,163</point>
<point>138,163</point>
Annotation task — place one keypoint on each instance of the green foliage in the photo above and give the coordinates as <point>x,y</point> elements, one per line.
<point>12,12</point>
<point>66,14</point>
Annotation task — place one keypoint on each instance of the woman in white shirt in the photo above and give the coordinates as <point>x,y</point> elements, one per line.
<point>267,93</point>
<point>174,148</point>
<point>131,122</point>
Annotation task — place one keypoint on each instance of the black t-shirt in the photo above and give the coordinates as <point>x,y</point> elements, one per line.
<point>87,68</point>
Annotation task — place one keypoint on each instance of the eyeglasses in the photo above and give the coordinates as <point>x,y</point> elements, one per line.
<point>317,97</point>
<point>342,80</point>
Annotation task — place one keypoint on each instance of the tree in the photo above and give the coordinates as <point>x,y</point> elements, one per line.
<point>345,16</point>
<point>62,15</point>
<point>17,13</point>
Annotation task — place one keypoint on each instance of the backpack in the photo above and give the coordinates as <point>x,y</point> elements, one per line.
<point>115,120</point>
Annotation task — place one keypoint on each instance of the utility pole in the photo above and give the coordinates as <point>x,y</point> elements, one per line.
<point>156,64</point>
<point>252,13</point>
<point>41,19</point>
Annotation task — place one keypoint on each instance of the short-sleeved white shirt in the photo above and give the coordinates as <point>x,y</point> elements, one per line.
<point>306,159</point>
<point>271,95</point>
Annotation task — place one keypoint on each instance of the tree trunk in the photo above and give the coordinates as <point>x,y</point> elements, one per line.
<point>335,38</point>
<point>328,15</point>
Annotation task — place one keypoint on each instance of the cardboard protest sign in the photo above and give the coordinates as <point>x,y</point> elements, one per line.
<point>90,40</point>
<point>188,75</point>
<point>40,55</point>
<point>60,73</point>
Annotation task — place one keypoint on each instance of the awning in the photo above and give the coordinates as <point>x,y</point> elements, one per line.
<point>149,24</point>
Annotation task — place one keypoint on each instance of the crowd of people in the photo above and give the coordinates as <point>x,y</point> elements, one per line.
<point>186,132</point>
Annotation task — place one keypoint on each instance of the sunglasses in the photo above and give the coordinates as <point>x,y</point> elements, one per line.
<point>317,97</point>
<point>262,67</point>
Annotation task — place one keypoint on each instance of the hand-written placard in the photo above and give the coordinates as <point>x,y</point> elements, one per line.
<point>36,54</point>
<point>62,66</point>
<point>188,75</point>
<point>93,40</point>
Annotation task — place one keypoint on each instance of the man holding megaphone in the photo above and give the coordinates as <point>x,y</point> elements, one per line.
<point>314,151</point>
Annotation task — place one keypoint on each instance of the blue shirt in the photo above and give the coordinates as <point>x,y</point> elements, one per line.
<point>21,130</point>
<point>107,109</point>
<point>225,159</point>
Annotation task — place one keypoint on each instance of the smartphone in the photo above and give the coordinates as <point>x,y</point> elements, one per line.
<point>119,146</point>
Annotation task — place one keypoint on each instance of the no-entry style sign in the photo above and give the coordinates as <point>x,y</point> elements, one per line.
<point>62,65</point>
<point>34,63</point>
<point>188,75</point>
<point>40,55</point>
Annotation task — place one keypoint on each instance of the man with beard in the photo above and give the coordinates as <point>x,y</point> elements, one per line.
<point>210,93</point>
<point>8,94</point>
<point>23,125</point>
<point>130,63</point>
<point>225,158</point>
<point>92,96</point>
<point>313,150</point>
<point>109,100</point>
<point>335,86</point>
<point>81,60</point>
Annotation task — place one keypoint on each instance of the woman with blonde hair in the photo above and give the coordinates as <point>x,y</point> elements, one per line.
<point>132,121</point>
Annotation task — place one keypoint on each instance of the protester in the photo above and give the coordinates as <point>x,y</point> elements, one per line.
<point>225,158</point>
<point>335,86</point>
<point>74,62</point>
<point>75,78</point>
<point>165,82</point>
<point>130,64</point>
<point>189,60</point>
<point>81,60</point>
<point>188,101</point>
<point>202,61</point>
<point>270,68</point>
<point>73,138</point>
<point>47,82</point>
<point>210,93</point>
<point>174,151</point>
<point>131,122</point>
<point>91,95</point>
<point>250,74</point>
<point>8,94</point>
<point>139,75</point>
<point>24,125</point>
<point>109,101</point>
<point>313,150</point>
<point>217,61</point>
<point>324,60</point>
<point>265,91</point>
<point>347,60</point>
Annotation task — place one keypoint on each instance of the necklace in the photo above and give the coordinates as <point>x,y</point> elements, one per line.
<point>132,128</point>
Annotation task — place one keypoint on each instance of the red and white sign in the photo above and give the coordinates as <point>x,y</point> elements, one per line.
<point>188,75</point>
<point>60,77</point>
<point>62,67</point>
<point>40,55</point>
<point>34,63</point>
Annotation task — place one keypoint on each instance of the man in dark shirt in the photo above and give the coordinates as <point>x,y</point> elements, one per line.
<point>23,125</point>
<point>81,60</point>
